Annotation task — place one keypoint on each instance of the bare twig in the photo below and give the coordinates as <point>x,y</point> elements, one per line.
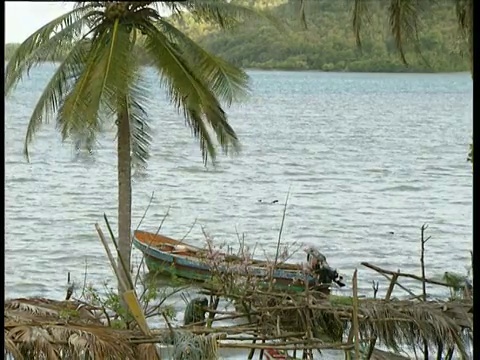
<point>189,231</point>
<point>281,228</point>
<point>411,276</point>
<point>424,285</point>
<point>146,210</point>
<point>279,239</point>
<point>84,279</point>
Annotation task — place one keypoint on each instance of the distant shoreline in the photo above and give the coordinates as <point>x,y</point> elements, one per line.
<point>356,71</point>
<point>332,72</point>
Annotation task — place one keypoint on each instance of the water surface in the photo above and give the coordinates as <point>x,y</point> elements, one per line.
<point>368,159</point>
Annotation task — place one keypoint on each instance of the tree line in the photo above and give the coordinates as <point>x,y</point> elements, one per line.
<point>328,43</point>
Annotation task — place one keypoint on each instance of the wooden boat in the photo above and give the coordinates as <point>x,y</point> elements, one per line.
<point>169,256</point>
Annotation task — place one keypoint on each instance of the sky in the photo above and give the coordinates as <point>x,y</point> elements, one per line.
<point>24,17</point>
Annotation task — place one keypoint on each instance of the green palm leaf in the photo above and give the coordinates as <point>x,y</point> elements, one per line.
<point>78,116</point>
<point>360,15</point>
<point>140,130</point>
<point>50,40</point>
<point>52,96</point>
<point>223,13</point>
<point>102,86</point>
<point>227,82</point>
<point>189,93</point>
<point>464,10</point>
<point>404,23</point>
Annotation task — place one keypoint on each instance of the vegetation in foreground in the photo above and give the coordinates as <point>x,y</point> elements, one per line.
<point>266,320</point>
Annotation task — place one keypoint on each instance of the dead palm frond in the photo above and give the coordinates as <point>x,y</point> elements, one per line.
<point>396,325</point>
<point>11,349</point>
<point>40,307</point>
<point>36,328</point>
<point>36,309</point>
<point>51,340</point>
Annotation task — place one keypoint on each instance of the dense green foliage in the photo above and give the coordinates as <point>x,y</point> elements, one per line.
<point>328,43</point>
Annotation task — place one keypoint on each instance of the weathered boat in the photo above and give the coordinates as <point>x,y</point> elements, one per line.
<point>169,256</point>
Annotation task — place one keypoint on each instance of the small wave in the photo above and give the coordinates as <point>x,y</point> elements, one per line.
<point>20,180</point>
<point>402,188</point>
<point>378,171</point>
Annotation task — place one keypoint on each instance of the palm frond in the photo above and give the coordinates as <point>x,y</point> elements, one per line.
<point>97,341</point>
<point>52,95</point>
<point>37,338</point>
<point>104,80</point>
<point>228,82</point>
<point>11,349</point>
<point>410,325</point>
<point>222,13</point>
<point>77,117</point>
<point>32,307</point>
<point>48,41</point>
<point>404,20</point>
<point>464,11</point>
<point>188,92</point>
<point>303,15</point>
<point>140,130</point>
<point>125,91</point>
<point>360,15</point>
<point>147,352</point>
<point>35,329</point>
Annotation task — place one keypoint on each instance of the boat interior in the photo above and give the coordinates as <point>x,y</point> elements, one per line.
<point>166,244</point>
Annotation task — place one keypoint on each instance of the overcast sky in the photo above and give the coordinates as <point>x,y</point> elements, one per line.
<point>24,17</point>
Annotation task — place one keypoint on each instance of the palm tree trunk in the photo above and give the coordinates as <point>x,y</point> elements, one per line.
<point>124,195</point>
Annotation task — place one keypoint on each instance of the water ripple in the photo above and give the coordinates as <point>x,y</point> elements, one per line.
<point>368,158</point>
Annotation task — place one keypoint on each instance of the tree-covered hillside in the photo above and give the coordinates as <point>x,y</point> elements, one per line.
<point>328,42</point>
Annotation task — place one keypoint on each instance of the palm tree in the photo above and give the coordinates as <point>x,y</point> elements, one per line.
<point>99,80</point>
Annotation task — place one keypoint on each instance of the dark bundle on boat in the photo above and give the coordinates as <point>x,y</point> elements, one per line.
<point>319,266</point>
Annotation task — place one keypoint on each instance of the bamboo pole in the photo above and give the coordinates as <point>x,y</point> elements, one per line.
<point>355,316</point>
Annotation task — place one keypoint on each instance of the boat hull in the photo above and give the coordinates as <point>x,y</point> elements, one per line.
<point>194,269</point>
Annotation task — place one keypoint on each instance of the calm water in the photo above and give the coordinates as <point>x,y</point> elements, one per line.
<point>368,157</point>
